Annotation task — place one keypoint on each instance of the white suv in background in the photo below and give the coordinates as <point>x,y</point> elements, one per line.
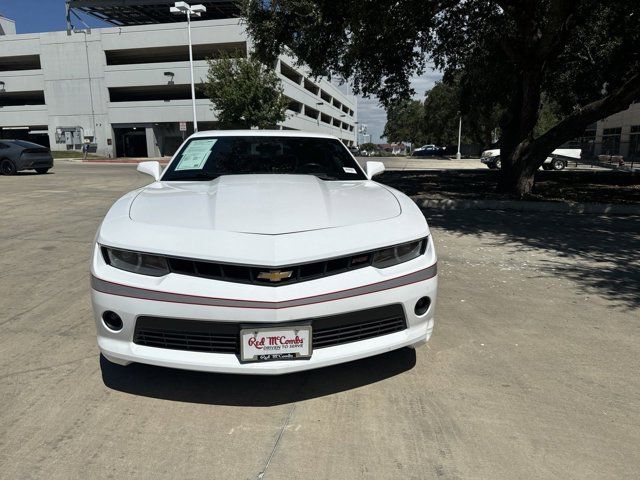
<point>558,160</point>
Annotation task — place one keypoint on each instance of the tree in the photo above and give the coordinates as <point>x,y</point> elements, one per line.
<point>405,122</point>
<point>581,55</point>
<point>369,147</point>
<point>245,93</point>
<point>436,119</point>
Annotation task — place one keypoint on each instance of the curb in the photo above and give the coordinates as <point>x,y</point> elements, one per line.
<point>524,206</point>
<point>107,161</point>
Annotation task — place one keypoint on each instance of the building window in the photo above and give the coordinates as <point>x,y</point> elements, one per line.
<point>587,142</point>
<point>634,143</point>
<point>311,87</point>
<point>290,73</point>
<point>611,141</point>
<point>311,112</point>
<point>325,96</point>
<point>294,106</point>
<point>20,62</point>
<point>174,53</point>
<point>150,93</point>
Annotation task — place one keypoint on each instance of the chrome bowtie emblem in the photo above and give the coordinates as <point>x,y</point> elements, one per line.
<point>275,275</point>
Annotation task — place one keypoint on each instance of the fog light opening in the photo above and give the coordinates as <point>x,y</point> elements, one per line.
<point>422,306</point>
<point>112,320</point>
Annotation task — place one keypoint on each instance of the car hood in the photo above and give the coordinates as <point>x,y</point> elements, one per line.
<point>264,204</point>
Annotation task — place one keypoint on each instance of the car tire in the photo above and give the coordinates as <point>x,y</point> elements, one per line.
<point>498,164</point>
<point>558,165</point>
<point>7,167</point>
<point>41,171</point>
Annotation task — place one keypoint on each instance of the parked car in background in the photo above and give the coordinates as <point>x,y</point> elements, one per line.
<point>18,155</point>
<point>262,252</point>
<point>428,151</point>
<point>558,159</point>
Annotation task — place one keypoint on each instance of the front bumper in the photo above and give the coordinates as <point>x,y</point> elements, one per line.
<point>132,296</point>
<point>31,162</point>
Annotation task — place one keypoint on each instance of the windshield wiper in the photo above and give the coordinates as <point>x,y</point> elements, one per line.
<point>325,176</point>
<point>197,176</point>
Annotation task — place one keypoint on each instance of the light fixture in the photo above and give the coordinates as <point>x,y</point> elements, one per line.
<point>195,11</point>
<point>170,76</point>
<point>2,90</point>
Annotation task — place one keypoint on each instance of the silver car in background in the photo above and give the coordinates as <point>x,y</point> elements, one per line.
<point>18,155</point>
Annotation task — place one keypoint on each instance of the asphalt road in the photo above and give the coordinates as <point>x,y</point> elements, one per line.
<point>532,371</point>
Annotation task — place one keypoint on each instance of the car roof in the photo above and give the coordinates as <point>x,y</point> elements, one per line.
<point>21,143</point>
<point>262,133</point>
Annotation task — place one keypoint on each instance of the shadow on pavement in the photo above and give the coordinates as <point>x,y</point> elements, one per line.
<point>253,390</point>
<point>602,253</point>
<point>577,186</point>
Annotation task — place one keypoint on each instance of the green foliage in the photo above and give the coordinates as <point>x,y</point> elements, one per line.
<point>369,147</point>
<point>548,117</point>
<point>405,122</point>
<point>442,113</point>
<point>436,119</point>
<point>579,57</point>
<point>244,93</point>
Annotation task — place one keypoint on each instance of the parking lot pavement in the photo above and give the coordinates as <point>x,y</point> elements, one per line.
<point>532,371</point>
<point>417,163</point>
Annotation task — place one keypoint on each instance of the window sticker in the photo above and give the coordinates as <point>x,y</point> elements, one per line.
<point>196,154</point>
<point>349,170</point>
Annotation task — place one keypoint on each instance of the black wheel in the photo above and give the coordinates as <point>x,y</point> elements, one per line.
<point>491,166</point>
<point>558,164</point>
<point>42,171</point>
<point>498,163</point>
<point>7,167</point>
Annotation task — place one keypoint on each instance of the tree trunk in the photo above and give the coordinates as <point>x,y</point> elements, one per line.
<point>521,161</point>
<point>518,170</point>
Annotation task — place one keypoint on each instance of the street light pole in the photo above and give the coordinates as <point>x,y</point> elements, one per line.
<point>458,156</point>
<point>193,86</point>
<point>196,11</point>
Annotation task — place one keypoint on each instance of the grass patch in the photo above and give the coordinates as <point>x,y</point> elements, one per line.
<point>71,154</point>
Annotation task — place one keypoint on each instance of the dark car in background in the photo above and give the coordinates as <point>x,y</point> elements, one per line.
<point>18,155</point>
<point>428,151</point>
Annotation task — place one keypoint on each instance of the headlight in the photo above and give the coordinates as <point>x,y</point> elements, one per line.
<point>398,254</point>
<point>135,262</point>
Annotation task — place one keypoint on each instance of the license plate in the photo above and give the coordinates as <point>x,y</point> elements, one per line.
<point>261,344</point>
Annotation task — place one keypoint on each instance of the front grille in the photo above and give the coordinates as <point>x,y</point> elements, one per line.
<point>192,335</point>
<point>251,274</point>
<point>259,275</point>
<point>224,337</point>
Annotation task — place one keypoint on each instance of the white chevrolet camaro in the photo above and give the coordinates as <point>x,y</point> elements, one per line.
<point>261,252</point>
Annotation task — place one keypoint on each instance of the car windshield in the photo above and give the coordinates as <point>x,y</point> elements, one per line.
<point>206,158</point>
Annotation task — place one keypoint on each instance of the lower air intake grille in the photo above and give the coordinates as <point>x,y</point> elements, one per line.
<point>219,337</point>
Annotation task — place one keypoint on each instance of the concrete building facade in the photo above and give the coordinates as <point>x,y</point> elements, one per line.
<point>126,89</point>
<point>619,134</point>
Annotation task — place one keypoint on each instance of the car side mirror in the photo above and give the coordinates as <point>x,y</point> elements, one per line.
<point>374,168</point>
<point>150,168</point>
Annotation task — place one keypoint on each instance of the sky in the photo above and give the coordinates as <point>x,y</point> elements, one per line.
<point>374,116</point>
<point>32,16</point>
